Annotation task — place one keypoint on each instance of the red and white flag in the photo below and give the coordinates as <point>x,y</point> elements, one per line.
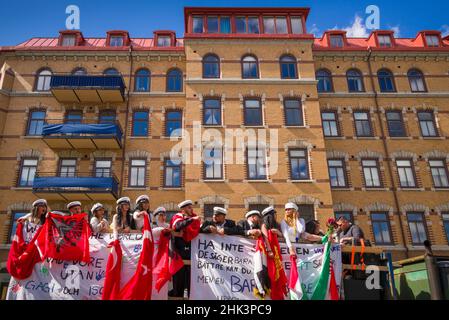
<point>168,261</point>
<point>139,287</point>
<point>111,290</point>
<point>65,238</point>
<point>22,256</point>
<point>294,283</point>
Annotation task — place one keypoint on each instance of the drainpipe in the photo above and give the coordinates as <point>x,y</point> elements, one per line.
<point>387,152</point>
<point>125,138</point>
<point>433,273</point>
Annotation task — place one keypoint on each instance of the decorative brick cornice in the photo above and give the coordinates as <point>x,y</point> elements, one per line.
<point>377,207</point>
<point>334,154</point>
<point>436,154</point>
<point>404,155</point>
<point>415,207</point>
<point>138,154</point>
<point>369,154</point>
<point>212,200</point>
<point>304,199</point>
<point>259,199</point>
<point>30,153</point>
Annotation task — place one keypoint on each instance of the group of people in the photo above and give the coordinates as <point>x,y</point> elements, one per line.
<point>185,225</point>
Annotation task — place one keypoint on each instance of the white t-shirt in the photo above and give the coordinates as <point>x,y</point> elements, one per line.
<point>289,232</point>
<point>95,223</point>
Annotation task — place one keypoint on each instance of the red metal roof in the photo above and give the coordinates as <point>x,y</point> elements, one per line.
<point>92,44</point>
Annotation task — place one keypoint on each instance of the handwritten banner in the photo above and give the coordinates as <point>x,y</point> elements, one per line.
<point>64,280</point>
<point>222,267</point>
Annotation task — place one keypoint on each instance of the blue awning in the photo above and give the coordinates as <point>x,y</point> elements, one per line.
<point>94,129</point>
<point>73,182</point>
<point>86,81</point>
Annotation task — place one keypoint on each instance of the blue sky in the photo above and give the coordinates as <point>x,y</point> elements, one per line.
<point>25,19</point>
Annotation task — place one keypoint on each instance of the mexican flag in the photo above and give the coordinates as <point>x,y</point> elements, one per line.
<point>326,286</point>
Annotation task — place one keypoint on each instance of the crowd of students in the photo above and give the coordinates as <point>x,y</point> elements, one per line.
<point>292,228</point>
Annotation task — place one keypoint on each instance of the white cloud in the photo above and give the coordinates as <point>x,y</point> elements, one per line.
<point>314,30</point>
<point>397,31</point>
<point>357,29</point>
<point>445,30</point>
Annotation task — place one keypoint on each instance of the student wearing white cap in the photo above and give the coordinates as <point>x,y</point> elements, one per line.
<point>250,227</point>
<point>269,223</point>
<point>74,208</point>
<point>294,228</point>
<point>98,223</point>
<point>219,224</point>
<point>186,226</point>
<point>37,214</point>
<point>159,218</point>
<point>123,221</point>
<point>142,207</point>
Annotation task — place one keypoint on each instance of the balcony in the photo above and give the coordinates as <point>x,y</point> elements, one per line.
<point>86,135</point>
<point>77,187</point>
<point>88,88</point>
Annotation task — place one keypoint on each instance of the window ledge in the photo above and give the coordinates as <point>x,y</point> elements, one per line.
<point>254,127</point>
<point>301,181</point>
<point>440,189</point>
<point>210,126</point>
<point>296,127</point>
<point>136,189</point>
<point>213,181</point>
<point>257,181</point>
<point>411,189</point>
<point>365,138</point>
<point>169,138</point>
<point>375,189</point>
<point>22,188</point>
<point>139,138</point>
<point>32,137</point>
<point>334,138</point>
<point>432,138</point>
<point>400,138</point>
<point>341,189</point>
<point>5,246</point>
<point>171,189</point>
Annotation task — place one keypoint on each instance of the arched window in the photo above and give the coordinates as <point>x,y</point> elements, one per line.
<point>174,80</point>
<point>386,81</point>
<point>111,72</point>
<point>417,82</point>
<point>324,78</point>
<point>355,81</point>
<point>107,117</point>
<point>43,80</point>
<point>142,80</point>
<point>289,69</point>
<point>79,72</point>
<point>250,67</point>
<point>211,66</point>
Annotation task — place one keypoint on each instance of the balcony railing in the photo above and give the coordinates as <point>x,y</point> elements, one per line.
<point>60,134</point>
<point>88,88</point>
<point>79,186</point>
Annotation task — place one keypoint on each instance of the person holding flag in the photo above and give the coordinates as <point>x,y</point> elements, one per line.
<point>186,226</point>
<point>142,207</point>
<point>37,214</point>
<point>269,273</point>
<point>294,228</point>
